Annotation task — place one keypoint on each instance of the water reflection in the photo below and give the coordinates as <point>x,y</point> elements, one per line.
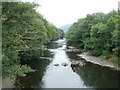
<point>53,45</point>
<point>97,76</point>
<point>33,79</point>
<point>61,76</point>
<point>49,76</point>
<point>73,55</point>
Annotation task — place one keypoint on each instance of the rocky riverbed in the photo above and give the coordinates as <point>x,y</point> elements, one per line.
<point>98,61</point>
<point>92,59</point>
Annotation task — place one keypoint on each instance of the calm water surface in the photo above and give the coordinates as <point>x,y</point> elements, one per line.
<point>49,76</point>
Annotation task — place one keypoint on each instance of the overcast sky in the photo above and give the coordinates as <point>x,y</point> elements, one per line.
<point>61,12</point>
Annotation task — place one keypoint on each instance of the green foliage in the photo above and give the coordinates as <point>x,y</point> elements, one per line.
<point>116,61</point>
<point>11,65</point>
<point>105,54</point>
<point>24,30</point>
<point>98,33</point>
<point>116,42</point>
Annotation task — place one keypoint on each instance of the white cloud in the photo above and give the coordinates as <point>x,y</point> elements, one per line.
<point>60,12</point>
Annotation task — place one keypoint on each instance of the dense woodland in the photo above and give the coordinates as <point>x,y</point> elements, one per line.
<point>24,32</point>
<point>99,34</point>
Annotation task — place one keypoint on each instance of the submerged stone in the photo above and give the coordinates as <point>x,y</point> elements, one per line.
<point>64,64</point>
<point>56,64</point>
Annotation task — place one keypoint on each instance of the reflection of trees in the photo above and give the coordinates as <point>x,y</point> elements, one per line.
<point>98,77</point>
<point>47,53</point>
<point>73,55</point>
<point>33,79</point>
<point>53,45</point>
<point>34,54</point>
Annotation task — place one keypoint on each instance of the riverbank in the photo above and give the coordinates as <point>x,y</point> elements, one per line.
<point>92,59</point>
<point>62,68</point>
<point>8,82</point>
<point>98,61</point>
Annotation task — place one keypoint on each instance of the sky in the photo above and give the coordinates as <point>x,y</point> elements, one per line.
<point>61,12</point>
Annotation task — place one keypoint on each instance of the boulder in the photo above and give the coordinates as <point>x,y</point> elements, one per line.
<point>64,64</point>
<point>77,64</point>
<point>56,64</point>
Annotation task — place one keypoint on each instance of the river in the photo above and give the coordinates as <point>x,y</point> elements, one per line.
<point>48,75</point>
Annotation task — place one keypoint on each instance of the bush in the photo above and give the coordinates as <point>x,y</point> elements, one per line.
<point>116,60</point>
<point>106,55</point>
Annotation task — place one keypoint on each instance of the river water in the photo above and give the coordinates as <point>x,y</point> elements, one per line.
<point>49,76</point>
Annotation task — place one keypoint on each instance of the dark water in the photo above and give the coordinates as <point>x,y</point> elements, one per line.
<point>49,76</point>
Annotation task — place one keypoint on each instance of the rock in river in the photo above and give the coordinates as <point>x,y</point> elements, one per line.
<point>77,64</point>
<point>64,64</point>
<point>56,64</point>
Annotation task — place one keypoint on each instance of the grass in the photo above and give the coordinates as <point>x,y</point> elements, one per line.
<point>111,58</point>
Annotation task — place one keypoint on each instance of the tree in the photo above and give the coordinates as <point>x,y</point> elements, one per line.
<point>97,33</point>
<point>24,33</point>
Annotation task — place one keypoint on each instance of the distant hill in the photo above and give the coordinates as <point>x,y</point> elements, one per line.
<point>65,27</point>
